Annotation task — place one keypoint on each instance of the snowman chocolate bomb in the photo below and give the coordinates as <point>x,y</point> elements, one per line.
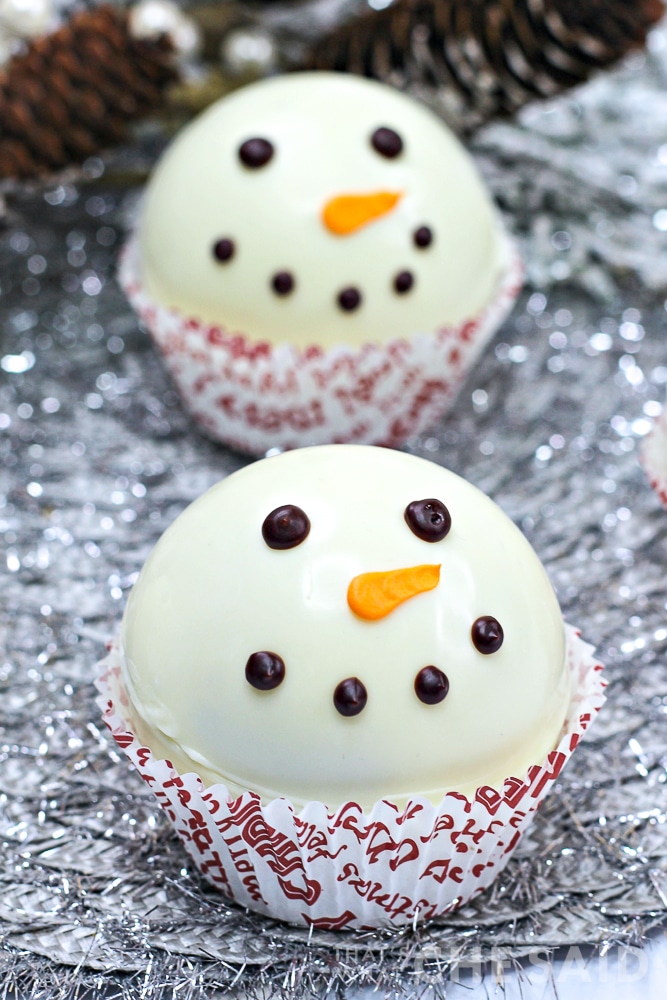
<point>319,261</point>
<point>346,624</point>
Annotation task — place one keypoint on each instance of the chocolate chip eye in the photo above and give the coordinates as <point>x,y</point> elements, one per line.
<point>285,527</point>
<point>487,634</point>
<point>428,519</point>
<point>265,670</point>
<point>422,237</point>
<point>386,142</point>
<point>223,250</point>
<point>403,282</point>
<point>349,299</point>
<point>255,152</point>
<point>431,685</point>
<point>282,283</point>
<point>350,697</point>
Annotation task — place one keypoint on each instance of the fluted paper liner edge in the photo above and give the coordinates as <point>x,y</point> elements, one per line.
<point>255,396</point>
<point>654,456</point>
<point>347,868</point>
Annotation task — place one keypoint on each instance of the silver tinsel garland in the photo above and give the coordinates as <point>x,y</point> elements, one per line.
<point>97,896</point>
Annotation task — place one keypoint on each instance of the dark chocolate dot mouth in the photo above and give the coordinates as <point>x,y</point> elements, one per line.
<point>349,299</point>
<point>387,142</point>
<point>431,685</point>
<point>255,152</point>
<point>265,670</point>
<point>428,519</point>
<point>487,634</point>
<point>283,283</point>
<point>285,527</point>
<point>223,250</point>
<point>422,237</point>
<point>350,697</point>
<point>403,282</point>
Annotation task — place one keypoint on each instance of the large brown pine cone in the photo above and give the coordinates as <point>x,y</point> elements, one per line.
<point>492,55</point>
<point>73,93</point>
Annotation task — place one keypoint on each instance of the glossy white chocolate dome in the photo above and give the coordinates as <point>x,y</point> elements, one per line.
<point>285,216</point>
<point>213,592</point>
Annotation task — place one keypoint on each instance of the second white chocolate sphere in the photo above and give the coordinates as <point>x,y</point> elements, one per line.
<point>287,216</point>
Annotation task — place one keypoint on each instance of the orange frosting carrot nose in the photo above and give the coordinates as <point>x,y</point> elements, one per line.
<point>375,595</point>
<point>346,213</point>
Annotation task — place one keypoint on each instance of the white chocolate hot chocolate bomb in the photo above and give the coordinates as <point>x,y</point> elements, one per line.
<point>318,261</point>
<point>346,623</point>
<point>320,208</point>
<point>654,455</point>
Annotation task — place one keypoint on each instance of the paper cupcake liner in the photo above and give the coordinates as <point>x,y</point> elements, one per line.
<point>347,868</point>
<point>255,396</point>
<point>654,456</point>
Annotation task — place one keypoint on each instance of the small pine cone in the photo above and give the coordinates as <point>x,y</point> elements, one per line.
<point>72,93</point>
<point>486,58</point>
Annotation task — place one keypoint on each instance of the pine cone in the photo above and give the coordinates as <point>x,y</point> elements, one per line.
<point>487,57</point>
<point>73,93</point>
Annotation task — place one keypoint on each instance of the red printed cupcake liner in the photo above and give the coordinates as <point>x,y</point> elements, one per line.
<point>349,869</point>
<point>256,396</point>
<point>654,456</point>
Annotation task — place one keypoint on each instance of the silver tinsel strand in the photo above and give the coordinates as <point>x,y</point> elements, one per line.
<point>97,897</point>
